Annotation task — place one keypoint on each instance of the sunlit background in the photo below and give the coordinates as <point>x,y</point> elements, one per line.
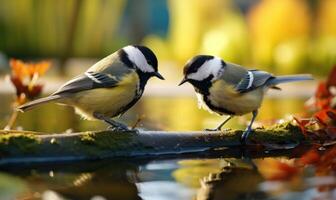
<point>280,36</point>
<point>284,37</point>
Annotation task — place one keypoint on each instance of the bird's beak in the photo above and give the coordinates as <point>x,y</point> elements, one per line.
<point>157,74</point>
<point>183,81</point>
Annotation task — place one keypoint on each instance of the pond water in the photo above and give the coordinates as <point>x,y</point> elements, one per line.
<point>206,176</point>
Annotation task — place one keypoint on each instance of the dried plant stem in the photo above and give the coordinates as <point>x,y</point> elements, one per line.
<point>12,120</point>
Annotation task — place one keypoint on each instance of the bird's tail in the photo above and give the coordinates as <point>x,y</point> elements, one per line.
<point>32,104</point>
<point>290,78</point>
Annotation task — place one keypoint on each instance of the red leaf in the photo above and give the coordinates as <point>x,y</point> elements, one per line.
<point>285,172</point>
<point>331,81</point>
<point>302,123</point>
<point>322,117</point>
<point>327,164</point>
<point>310,157</point>
<point>332,114</point>
<point>331,132</point>
<point>322,91</point>
<point>273,169</point>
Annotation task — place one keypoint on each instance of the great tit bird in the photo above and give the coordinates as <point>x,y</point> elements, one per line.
<point>230,89</point>
<point>108,88</point>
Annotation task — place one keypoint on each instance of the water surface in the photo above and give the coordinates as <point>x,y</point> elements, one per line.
<point>185,177</point>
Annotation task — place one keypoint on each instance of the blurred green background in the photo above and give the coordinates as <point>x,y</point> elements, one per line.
<point>284,36</point>
<point>281,36</point>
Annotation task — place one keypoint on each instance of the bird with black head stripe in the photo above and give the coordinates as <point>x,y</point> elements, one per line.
<point>108,88</point>
<point>230,89</point>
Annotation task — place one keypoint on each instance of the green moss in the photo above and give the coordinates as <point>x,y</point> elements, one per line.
<point>231,135</point>
<point>88,138</point>
<point>285,132</point>
<point>96,143</point>
<point>103,143</point>
<point>107,139</point>
<point>18,142</point>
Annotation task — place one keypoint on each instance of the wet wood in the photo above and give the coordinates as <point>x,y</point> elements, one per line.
<point>25,146</point>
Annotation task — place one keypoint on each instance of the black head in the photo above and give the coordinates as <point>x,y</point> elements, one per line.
<point>202,67</point>
<point>149,55</point>
<point>142,58</point>
<point>195,63</point>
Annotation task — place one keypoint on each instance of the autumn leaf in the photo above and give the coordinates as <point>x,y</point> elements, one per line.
<point>25,76</point>
<point>311,157</point>
<point>331,81</point>
<point>273,169</point>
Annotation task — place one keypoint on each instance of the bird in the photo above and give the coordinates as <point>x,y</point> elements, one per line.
<point>108,88</point>
<point>230,89</point>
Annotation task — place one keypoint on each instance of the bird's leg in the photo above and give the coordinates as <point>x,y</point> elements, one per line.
<point>221,125</point>
<point>249,128</point>
<point>117,126</point>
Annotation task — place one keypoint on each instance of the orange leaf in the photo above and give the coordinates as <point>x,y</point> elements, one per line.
<point>322,91</point>
<point>19,69</point>
<point>38,68</point>
<point>310,157</point>
<point>331,132</point>
<point>322,117</point>
<point>302,124</point>
<point>331,81</point>
<point>273,169</point>
<point>332,114</point>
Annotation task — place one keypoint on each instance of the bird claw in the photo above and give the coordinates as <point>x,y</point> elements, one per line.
<point>243,141</point>
<point>212,129</point>
<point>244,137</point>
<point>118,128</point>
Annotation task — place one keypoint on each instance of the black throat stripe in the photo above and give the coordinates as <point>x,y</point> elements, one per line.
<point>124,58</point>
<point>203,88</point>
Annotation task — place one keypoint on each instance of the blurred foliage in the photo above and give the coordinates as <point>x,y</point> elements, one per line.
<point>280,31</point>
<point>208,27</point>
<point>41,27</point>
<point>285,36</point>
<point>288,36</point>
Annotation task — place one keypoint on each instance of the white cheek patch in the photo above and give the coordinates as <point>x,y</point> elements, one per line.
<point>213,66</point>
<point>136,57</point>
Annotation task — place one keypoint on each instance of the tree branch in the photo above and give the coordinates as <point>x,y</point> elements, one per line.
<point>25,146</point>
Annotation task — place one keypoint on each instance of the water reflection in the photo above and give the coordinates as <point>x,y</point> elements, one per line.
<point>80,181</point>
<point>165,179</point>
<point>201,178</point>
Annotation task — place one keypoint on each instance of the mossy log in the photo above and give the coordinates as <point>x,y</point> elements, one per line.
<point>25,146</point>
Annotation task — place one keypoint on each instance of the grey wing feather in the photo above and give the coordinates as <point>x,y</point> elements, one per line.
<point>87,82</point>
<point>77,84</point>
<point>107,78</point>
<point>252,80</point>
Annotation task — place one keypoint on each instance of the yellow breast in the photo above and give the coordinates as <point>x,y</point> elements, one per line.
<point>223,95</point>
<point>107,101</point>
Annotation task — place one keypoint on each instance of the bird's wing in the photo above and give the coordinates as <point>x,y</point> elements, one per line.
<point>252,80</point>
<point>92,80</point>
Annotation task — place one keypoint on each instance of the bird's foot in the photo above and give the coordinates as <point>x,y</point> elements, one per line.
<point>244,137</point>
<point>212,129</point>
<point>120,127</point>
